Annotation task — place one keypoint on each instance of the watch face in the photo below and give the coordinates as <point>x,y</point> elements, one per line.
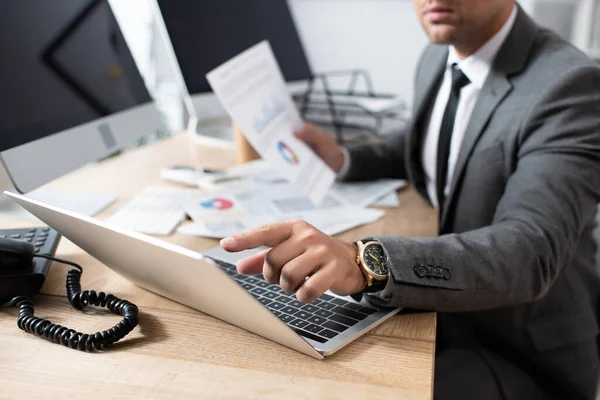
<point>375,259</point>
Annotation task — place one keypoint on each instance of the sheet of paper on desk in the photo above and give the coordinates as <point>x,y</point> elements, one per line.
<point>256,174</point>
<point>246,199</point>
<point>223,206</point>
<point>330,222</point>
<point>365,193</point>
<point>252,90</point>
<point>257,184</point>
<point>388,201</point>
<point>261,177</point>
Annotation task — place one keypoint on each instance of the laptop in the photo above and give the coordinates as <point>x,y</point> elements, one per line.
<point>209,283</point>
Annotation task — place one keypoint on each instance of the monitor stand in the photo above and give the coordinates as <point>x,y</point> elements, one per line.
<point>8,208</point>
<point>212,130</point>
<point>88,204</point>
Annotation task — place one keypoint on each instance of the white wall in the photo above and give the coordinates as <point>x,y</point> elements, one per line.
<point>575,20</point>
<point>382,36</point>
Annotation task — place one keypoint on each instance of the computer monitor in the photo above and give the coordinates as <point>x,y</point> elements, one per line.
<point>201,35</point>
<point>205,34</point>
<point>70,92</point>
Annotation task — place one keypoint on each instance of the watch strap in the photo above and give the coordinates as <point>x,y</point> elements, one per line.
<point>376,286</point>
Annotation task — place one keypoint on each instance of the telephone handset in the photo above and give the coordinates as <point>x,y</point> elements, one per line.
<point>19,274</point>
<point>15,255</point>
<point>23,267</point>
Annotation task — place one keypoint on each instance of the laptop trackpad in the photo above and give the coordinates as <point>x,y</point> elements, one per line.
<point>219,254</point>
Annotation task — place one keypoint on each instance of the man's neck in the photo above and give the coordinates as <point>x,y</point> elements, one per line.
<point>465,50</point>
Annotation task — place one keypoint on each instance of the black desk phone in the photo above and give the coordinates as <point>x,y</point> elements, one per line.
<point>25,257</point>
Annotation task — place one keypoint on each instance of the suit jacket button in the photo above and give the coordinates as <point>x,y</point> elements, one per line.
<point>420,271</point>
<point>430,270</point>
<point>445,273</point>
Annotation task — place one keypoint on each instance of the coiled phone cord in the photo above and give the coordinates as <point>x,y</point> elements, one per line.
<point>78,299</point>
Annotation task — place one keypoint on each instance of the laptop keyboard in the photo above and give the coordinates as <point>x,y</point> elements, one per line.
<point>321,320</point>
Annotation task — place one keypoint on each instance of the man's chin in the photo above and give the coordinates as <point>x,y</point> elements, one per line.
<point>441,34</point>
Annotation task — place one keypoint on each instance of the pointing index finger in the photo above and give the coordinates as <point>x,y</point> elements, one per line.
<point>269,235</point>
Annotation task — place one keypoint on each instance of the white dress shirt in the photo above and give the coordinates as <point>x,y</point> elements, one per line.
<point>477,68</point>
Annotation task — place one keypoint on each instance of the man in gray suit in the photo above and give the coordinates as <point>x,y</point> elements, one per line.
<point>505,142</point>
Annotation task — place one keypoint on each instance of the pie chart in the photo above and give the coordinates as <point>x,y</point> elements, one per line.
<point>288,154</point>
<point>218,203</point>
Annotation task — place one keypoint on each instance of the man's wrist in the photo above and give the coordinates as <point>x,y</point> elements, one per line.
<point>374,281</point>
<point>353,252</point>
<point>357,296</point>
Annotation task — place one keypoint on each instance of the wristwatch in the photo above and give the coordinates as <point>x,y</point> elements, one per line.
<point>373,263</point>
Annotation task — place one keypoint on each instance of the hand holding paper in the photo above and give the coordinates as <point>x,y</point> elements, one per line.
<point>323,145</point>
<point>252,90</point>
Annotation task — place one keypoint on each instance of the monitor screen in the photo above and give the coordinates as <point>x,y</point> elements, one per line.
<point>205,34</point>
<point>64,63</point>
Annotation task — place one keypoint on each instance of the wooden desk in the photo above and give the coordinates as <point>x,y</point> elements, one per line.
<point>178,352</point>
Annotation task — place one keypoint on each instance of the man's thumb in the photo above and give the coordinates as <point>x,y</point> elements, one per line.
<point>307,135</point>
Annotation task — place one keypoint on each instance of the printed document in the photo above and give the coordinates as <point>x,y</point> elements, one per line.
<point>365,193</point>
<point>252,90</point>
<point>331,222</point>
<point>389,200</point>
<point>260,177</point>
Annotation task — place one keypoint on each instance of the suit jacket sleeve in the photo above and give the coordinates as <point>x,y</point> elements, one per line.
<point>380,160</point>
<point>386,159</point>
<point>548,200</point>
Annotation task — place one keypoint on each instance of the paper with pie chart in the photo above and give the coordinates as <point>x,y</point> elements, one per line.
<point>216,207</point>
<point>252,90</point>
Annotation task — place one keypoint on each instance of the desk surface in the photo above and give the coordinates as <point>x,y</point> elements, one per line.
<point>178,352</point>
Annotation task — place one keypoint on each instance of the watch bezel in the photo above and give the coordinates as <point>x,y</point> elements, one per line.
<point>373,274</point>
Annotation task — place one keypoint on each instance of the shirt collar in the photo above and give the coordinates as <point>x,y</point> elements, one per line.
<point>478,65</point>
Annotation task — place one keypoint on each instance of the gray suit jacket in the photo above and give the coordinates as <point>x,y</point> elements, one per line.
<point>513,268</point>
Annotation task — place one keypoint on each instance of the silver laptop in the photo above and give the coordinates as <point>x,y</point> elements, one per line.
<point>209,283</point>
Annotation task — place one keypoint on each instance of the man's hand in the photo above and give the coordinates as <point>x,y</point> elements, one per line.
<point>323,144</point>
<point>299,251</point>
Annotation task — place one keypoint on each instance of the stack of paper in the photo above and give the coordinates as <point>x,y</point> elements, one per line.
<point>366,193</point>
<point>330,222</point>
<point>253,194</point>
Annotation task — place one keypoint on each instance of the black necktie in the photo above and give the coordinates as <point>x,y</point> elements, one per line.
<point>459,80</point>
